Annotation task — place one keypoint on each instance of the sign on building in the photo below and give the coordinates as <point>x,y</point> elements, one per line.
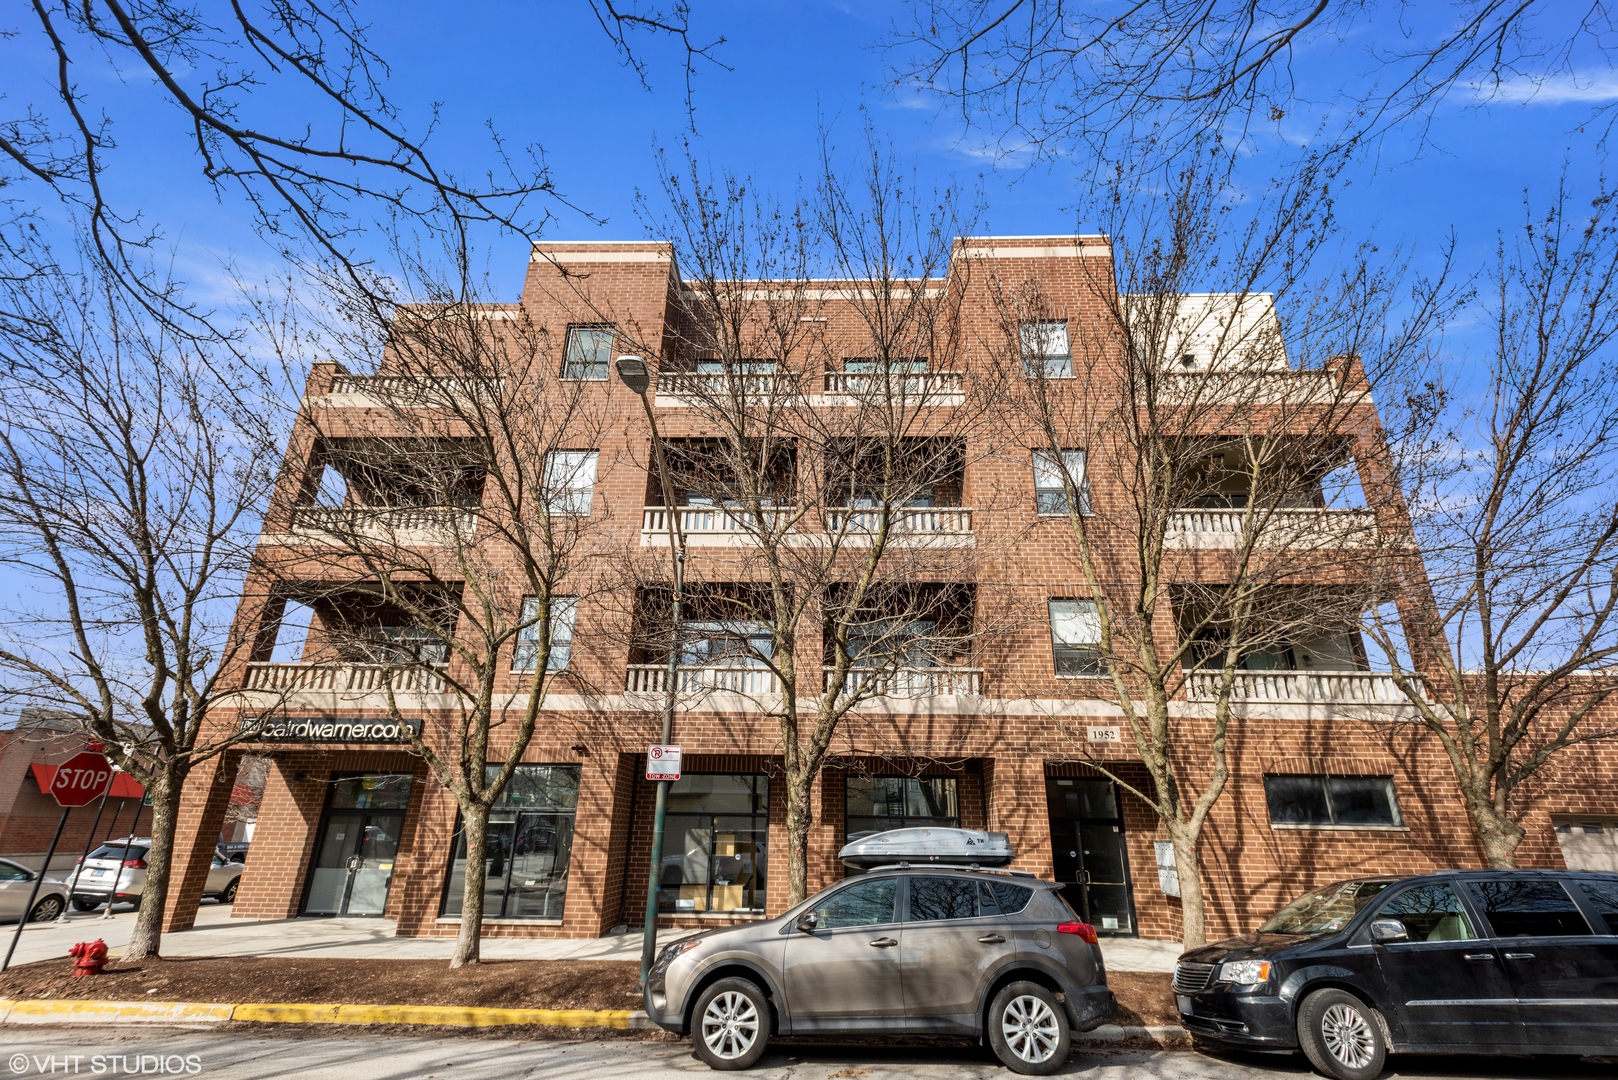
<point>662,763</point>
<point>329,730</point>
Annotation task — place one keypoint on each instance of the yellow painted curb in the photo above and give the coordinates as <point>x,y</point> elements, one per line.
<point>446,1015</point>
<point>112,1012</point>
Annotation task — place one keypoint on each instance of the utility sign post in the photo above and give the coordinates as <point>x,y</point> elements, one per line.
<point>662,763</point>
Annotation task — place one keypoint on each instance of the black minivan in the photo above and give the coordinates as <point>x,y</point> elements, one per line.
<point>1475,961</point>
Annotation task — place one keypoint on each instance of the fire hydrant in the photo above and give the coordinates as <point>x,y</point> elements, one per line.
<point>89,958</point>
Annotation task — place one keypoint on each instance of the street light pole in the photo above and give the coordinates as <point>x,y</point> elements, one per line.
<point>632,370</point>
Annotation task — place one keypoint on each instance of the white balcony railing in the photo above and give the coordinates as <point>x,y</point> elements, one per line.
<point>1280,528</point>
<point>414,390</point>
<point>732,678</point>
<point>912,682</point>
<point>1310,687</point>
<point>718,387</point>
<point>705,520</point>
<point>1263,386</point>
<point>404,525</point>
<point>343,678</point>
<point>907,520</point>
<point>916,387</point>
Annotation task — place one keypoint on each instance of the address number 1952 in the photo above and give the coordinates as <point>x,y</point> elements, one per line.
<point>1105,735</point>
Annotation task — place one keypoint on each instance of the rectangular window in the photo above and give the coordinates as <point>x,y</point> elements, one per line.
<point>570,481</point>
<point>529,845</point>
<point>726,644</point>
<point>717,843</point>
<point>1603,896</point>
<point>588,352</point>
<point>1349,801</point>
<point>876,804</point>
<point>1045,350</point>
<point>938,898</point>
<point>1517,908</point>
<point>870,903</point>
<point>1076,637</point>
<point>1050,493</point>
<point>1429,913</point>
<point>526,655</point>
<point>902,365</point>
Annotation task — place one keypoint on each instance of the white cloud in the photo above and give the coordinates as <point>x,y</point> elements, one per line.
<point>1552,90</point>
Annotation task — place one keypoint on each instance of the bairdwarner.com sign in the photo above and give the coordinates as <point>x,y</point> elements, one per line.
<point>319,729</point>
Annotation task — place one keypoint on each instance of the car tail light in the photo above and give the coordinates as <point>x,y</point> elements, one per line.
<point>1085,931</point>
<point>140,864</point>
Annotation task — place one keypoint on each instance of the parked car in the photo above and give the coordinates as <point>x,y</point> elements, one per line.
<point>1473,962</point>
<point>234,850</point>
<point>17,882</point>
<point>117,870</point>
<point>915,949</point>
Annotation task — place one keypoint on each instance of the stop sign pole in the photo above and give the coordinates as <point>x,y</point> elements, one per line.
<point>78,781</point>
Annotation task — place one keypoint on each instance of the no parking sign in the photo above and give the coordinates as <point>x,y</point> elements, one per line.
<point>662,763</point>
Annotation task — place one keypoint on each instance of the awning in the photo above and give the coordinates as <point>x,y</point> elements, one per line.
<point>124,786</point>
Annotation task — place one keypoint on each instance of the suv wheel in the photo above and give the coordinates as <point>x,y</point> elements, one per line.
<point>229,895</point>
<point>1028,1029</point>
<point>731,1024</point>
<point>81,903</point>
<point>1340,1035</point>
<point>46,910</point>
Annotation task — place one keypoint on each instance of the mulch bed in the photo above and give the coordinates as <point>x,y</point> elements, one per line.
<point>1144,998</point>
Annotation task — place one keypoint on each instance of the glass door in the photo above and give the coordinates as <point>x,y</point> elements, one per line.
<point>358,845</point>
<point>1088,853</point>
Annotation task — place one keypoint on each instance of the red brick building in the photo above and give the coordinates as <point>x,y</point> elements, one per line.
<point>1325,783</point>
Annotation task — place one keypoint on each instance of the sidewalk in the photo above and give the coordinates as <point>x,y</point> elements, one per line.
<point>217,934</point>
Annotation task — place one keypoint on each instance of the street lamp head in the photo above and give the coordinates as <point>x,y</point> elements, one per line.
<point>632,370</point>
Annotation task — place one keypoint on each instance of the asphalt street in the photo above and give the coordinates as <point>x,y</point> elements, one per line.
<point>311,1054</point>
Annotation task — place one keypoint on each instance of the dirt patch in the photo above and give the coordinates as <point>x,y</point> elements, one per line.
<point>505,984</point>
<point>1145,998</point>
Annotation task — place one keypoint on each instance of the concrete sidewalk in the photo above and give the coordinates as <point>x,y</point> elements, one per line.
<point>217,934</point>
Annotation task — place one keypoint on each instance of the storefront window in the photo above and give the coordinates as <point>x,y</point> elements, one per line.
<point>717,837</point>
<point>879,803</point>
<point>530,842</point>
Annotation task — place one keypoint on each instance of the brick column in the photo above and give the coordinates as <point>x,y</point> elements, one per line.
<point>196,836</point>
<point>271,885</point>
<point>1015,802</point>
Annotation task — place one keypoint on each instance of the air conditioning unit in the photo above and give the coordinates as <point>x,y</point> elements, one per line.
<point>958,847</point>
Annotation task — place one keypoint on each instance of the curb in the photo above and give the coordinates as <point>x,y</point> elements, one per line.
<point>178,1012</point>
<point>1121,1033</point>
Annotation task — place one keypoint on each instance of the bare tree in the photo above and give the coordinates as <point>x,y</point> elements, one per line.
<point>830,461</point>
<point>133,472</point>
<point>1509,474</point>
<point>1050,75</point>
<point>1207,471</point>
<point>446,538</point>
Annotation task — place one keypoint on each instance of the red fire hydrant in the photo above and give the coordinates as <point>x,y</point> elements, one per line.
<point>89,958</point>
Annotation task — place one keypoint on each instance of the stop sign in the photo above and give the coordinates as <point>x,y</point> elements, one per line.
<point>81,779</point>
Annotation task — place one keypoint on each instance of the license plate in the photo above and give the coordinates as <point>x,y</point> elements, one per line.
<point>1183,1001</point>
<point>100,873</point>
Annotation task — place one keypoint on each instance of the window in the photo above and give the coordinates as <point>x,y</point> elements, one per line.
<point>906,643</point>
<point>1075,637</point>
<point>1351,801</point>
<point>570,481</point>
<point>1603,896</point>
<point>718,839</point>
<point>1529,908</point>
<point>878,803</point>
<point>529,846</point>
<point>999,898</point>
<point>589,349</point>
<point>903,365</point>
<point>1050,494</point>
<point>933,898</point>
<point>117,851</point>
<point>744,643</point>
<point>563,611</point>
<point>1430,913</point>
<point>870,903</point>
<point>737,367</point>
<point>1045,350</point>
<point>402,645</point>
<point>9,872</point>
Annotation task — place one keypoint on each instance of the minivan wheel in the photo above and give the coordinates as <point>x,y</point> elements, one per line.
<point>1340,1035</point>
<point>1028,1029</point>
<point>731,1024</point>
<point>46,910</point>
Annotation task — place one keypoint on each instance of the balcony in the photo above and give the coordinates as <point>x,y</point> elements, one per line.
<point>912,682</point>
<point>913,387</point>
<point>710,526</point>
<point>414,391</point>
<point>751,679</point>
<point>403,526</point>
<point>343,678</point>
<point>943,526</point>
<point>1295,687</point>
<point>1259,386</point>
<point>1285,528</point>
<point>692,387</point>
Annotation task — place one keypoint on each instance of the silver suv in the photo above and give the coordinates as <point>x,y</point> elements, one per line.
<point>907,949</point>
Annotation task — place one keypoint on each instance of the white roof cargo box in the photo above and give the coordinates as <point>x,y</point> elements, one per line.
<point>970,847</point>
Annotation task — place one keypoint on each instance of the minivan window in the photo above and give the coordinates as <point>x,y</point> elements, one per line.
<point>116,851</point>
<point>869,903</point>
<point>1517,908</point>
<point>1603,895</point>
<point>999,898</point>
<point>1430,913</point>
<point>13,873</point>
<point>1325,911</point>
<point>942,898</point>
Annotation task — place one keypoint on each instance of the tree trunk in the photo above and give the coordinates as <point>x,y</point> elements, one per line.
<point>148,934</point>
<point>1498,834</point>
<point>800,816</point>
<point>475,820</point>
<point>1194,930</point>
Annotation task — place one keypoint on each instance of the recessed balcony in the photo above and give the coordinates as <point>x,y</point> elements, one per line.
<point>1311,528</point>
<point>1259,386</point>
<point>944,526</point>
<point>371,526</point>
<point>737,678</point>
<point>718,387</point>
<point>706,526</point>
<point>343,678</point>
<point>911,387</point>
<point>1300,687</point>
<point>411,391</point>
<point>945,680</point>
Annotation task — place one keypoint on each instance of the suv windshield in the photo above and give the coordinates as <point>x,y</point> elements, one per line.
<point>1325,911</point>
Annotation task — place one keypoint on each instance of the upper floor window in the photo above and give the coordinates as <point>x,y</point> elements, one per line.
<point>738,367</point>
<point>1045,350</point>
<point>588,352</point>
<point>570,481</point>
<point>563,611</point>
<point>1356,801</point>
<point>1076,637</point>
<point>739,643</point>
<point>1054,476</point>
<point>905,365</point>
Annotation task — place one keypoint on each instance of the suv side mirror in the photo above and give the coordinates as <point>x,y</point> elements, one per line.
<point>1384,931</point>
<point>808,921</point>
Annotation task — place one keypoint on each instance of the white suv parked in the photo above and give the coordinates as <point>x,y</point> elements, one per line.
<point>117,869</point>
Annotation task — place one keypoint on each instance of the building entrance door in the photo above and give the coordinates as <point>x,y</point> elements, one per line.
<point>357,845</point>
<point>1087,850</point>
